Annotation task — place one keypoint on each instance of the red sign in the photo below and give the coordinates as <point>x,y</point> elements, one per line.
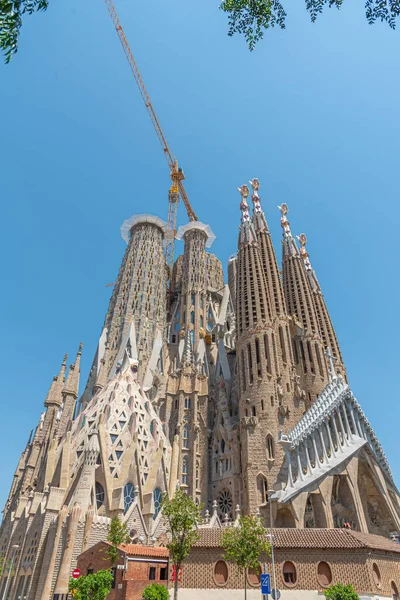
<point>76,573</point>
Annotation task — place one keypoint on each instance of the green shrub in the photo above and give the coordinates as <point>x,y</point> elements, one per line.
<point>338,591</point>
<point>155,591</point>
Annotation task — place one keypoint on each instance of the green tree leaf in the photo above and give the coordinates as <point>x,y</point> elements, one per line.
<point>117,535</point>
<point>338,591</point>
<point>183,517</point>
<point>95,586</point>
<point>244,544</point>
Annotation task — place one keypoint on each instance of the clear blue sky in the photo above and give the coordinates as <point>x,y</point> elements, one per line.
<point>313,113</point>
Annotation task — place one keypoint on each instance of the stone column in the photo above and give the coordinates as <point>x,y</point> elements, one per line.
<point>65,565</point>
<point>328,430</point>
<point>50,571</point>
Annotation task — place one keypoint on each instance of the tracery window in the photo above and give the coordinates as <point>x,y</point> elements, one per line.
<point>99,495</point>
<point>185,470</point>
<point>129,496</point>
<point>186,435</point>
<point>225,502</point>
<point>157,497</point>
<point>270,447</point>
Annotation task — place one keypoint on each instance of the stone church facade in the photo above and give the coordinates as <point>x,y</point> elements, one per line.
<point>237,393</point>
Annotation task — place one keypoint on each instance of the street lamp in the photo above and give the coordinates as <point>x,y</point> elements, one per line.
<point>271,537</point>
<point>15,547</point>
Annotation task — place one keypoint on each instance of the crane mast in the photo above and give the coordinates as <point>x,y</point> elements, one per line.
<point>177,176</point>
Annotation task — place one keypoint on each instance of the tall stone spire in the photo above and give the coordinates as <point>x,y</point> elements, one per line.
<point>308,349</point>
<point>268,255</point>
<point>70,393</point>
<point>140,291</point>
<point>257,360</point>
<point>253,305</point>
<point>54,395</point>
<point>326,328</point>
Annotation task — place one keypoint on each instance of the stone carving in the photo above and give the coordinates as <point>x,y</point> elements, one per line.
<point>298,392</point>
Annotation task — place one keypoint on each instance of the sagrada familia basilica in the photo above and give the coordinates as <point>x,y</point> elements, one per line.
<point>237,392</point>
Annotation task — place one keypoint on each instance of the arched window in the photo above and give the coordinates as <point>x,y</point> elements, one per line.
<point>186,436</point>
<point>192,337</point>
<point>221,572</point>
<point>270,447</point>
<point>289,573</point>
<point>243,372</point>
<point>185,470</point>
<point>129,496</point>
<point>157,497</point>
<point>376,575</point>
<point>310,356</point>
<point>192,317</point>
<point>174,339</point>
<point>201,321</point>
<point>282,343</point>
<point>193,299</point>
<point>258,358</point>
<point>303,356</point>
<point>187,402</point>
<point>201,302</point>
<point>222,446</point>
<point>272,400</point>
<point>324,574</point>
<point>266,352</point>
<point>295,353</point>
<point>395,592</point>
<point>262,489</point>
<point>250,364</point>
<point>253,576</point>
<point>197,475</point>
<point>317,352</point>
<point>99,495</point>
<point>253,411</point>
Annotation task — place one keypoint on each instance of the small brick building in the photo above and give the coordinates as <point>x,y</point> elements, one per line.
<point>307,561</point>
<point>136,568</point>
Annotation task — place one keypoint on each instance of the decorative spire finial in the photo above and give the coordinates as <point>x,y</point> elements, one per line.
<point>244,207</point>
<point>284,209</point>
<point>255,184</point>
<point>303,252</point>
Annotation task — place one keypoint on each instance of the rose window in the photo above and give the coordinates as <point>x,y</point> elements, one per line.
<point>225,502</point>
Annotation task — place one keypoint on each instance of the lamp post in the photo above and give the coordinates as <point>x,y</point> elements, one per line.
<point>15,547</point>
<point>270,492</point>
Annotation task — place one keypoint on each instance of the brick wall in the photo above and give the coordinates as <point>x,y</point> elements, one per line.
<point>353,567</point>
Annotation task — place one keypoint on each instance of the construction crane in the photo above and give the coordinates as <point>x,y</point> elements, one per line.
<point>176,173</point>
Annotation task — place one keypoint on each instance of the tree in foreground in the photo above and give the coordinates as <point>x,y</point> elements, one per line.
<point>338,591</point>
<point>117,535</point>
<point>155,591</point>
<point>183,517</point>
<point>250,18</point>
<point>243,545</point>
<point>95,586</point>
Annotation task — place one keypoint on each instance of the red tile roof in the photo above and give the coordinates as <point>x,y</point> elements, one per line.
<point>151,551</point>
<point>311,538</point>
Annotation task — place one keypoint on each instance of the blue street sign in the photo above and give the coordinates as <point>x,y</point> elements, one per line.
<point>265,583</point>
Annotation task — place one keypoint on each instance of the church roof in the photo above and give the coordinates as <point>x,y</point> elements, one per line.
<point>311,538</point>
<point>137,550</point>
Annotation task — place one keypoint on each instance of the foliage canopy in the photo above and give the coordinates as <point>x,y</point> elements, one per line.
<point>183,517</point>
<point>95,586</point>
<point>338,591</point>
<point>250,18</point>
<point>155,591</point>
<point>245,543</point>
<point>117,534</point>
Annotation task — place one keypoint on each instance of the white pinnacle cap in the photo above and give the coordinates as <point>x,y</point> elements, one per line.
<point>201,227</point>
<point>134,219</point>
